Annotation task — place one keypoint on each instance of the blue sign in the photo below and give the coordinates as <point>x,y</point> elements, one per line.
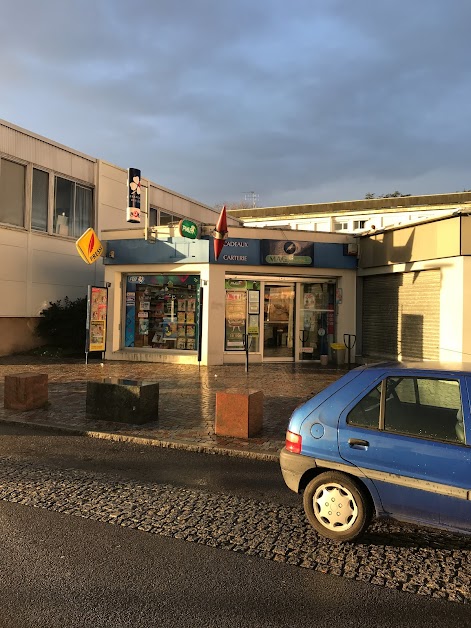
<point>238,251</point>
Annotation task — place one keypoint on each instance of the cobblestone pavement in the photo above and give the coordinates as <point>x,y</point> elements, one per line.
<point>187,400</point>
<point>398,557</point>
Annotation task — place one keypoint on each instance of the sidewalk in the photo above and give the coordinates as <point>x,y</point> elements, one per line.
<point>187,401</point>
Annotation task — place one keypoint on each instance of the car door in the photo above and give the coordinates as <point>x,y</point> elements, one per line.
<point>412,452</point>
<point>455,512</point>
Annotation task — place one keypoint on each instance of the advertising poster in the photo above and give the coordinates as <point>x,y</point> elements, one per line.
<point>236,319</point>
<point>97,310</point>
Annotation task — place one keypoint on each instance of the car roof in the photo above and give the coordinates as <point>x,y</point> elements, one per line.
<point>449,367</point>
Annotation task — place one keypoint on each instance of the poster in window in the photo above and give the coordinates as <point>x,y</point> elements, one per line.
<point>144,326</point>
<point>236,318</point>
<point>254,301</point>
<point>253,326</point>
<point>309,301</point>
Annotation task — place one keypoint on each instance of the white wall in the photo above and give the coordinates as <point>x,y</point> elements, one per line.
<point>453,305</point>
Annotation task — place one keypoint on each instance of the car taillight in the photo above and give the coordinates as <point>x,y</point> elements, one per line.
<point>293,442</point>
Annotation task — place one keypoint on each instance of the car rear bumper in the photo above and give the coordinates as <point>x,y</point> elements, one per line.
<point>293,467</point>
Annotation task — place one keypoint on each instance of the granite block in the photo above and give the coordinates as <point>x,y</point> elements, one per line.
<point>239,413</point>
<point>123,400</point>
<point>26,391</point>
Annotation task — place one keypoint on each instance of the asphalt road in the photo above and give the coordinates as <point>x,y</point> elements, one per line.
<point>121,535</point>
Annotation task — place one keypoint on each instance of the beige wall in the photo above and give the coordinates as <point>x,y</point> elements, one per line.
<point>112,200</point>
<point>465,235</point>
<point>17,335</point>
<point>40,151</point>
<point>466,296</point>
<point>431,240</point>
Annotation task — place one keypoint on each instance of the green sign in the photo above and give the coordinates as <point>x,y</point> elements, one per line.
<point>188,229</point>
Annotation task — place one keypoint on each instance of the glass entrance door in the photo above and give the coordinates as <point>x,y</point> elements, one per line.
<point>316,320</point>
<point>278,333</point>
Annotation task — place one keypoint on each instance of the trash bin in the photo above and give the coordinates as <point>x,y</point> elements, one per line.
<point>338,353</point>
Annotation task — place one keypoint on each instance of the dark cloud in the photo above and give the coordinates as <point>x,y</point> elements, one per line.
<point>301,102</point>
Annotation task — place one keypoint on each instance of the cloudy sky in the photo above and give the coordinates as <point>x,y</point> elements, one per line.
<point>299,101</point>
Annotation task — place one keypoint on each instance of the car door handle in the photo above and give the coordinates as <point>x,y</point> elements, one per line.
<point>358,443</point>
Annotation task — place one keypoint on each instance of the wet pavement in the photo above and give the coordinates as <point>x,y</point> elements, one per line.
<point>186,404</point>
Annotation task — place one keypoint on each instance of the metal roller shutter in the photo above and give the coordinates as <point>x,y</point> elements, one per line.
<point>401,315</point>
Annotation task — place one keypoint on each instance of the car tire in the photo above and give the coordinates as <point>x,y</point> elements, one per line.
<point>337,506</point>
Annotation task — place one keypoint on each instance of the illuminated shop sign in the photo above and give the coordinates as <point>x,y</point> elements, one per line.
<point>188,229</point>
<point>287,253</point>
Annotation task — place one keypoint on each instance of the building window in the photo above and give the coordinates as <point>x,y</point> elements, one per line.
<point>73,208</point>
<point>359,224</point>
<point>341,226</point>
<point>40,200</point>
<point>161,218</point>
<point>12,193</point>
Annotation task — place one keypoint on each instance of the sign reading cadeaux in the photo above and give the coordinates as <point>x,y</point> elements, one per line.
<point>133,210</point>
<point>287,252</point>
<point>89,246</point>
<point>238,251</point>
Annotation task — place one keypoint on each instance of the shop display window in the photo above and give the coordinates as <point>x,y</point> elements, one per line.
<point>162,312</point>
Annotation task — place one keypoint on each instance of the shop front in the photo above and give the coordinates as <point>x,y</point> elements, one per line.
<point>162,312</point>
<point>281,321</point>
<point>277,300</point>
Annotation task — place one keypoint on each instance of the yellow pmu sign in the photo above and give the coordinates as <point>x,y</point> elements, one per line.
<point>89,246</point>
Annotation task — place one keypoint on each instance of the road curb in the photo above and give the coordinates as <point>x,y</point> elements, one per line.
<point>149,442</point>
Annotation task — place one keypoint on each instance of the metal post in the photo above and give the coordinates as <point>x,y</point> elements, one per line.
<point>247,352</point>
<point>349,343</point>
<point>200,326</point>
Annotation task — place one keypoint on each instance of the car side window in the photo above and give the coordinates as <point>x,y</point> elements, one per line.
<point>366,412</point>
<point>424,407</point>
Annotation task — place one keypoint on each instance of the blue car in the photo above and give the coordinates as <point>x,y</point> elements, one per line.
<point>385,440</point>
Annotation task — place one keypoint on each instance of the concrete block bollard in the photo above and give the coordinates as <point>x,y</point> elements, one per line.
<point>26,391</point>
<point>239,413</point>
<point>123,400</point>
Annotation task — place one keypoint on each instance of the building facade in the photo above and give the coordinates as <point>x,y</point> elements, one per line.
<point>269,295</point>
<point>49,195</point>
<point>414,296</point>
<point>264,299</point>
<point>358,217</point>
